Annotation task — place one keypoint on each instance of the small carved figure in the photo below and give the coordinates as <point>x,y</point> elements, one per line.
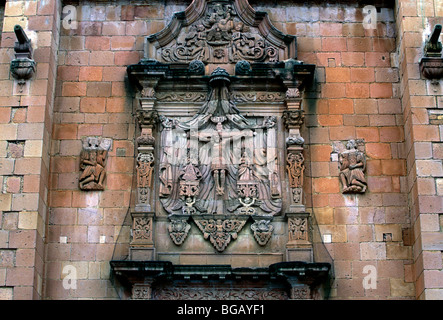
<point>295,168</point>
<point>352,164</point>
<point>145,166</point>
<point>92,164</point>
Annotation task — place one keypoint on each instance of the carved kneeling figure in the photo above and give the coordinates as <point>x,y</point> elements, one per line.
<point>352,167</point>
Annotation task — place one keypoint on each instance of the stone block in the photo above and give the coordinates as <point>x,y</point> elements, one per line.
<point>373,251</point>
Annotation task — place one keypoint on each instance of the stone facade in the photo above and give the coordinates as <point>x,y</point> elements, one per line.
<point>368,102</point>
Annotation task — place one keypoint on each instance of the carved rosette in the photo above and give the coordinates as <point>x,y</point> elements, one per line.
<point>220,232</point>
<point>178,229</point>
<point>262,229</point>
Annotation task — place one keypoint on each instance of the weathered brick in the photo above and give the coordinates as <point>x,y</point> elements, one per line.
<point>357,90</point>
<point>380,90</point>
<point>326,185</point>
<point>90,73</point>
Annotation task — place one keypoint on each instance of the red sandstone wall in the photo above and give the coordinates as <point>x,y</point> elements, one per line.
<point>358,94</point>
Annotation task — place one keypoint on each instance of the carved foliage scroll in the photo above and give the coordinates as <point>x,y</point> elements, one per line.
<point>220,231</point>
<point>220,36</point>
<point>92,163</point>
<point>178,293</point>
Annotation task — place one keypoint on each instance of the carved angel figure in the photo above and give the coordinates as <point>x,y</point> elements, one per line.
<point>92,163</point>
<point>352,164</point>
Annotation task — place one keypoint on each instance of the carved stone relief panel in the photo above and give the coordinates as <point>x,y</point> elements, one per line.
<point>352,165</point>
<point>219,36</point>
<point>92,163</point>
<point>220,167</point>
<point>179,293</point>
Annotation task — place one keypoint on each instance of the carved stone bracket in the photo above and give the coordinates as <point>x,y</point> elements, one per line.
<point>431,65</point>
<point>178,228</point>
<point>23,66</point>
<point>299,292</point>
<point>220,230</point>
<point>262,229</point>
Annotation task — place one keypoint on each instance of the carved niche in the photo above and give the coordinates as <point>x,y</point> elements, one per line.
<point>217,169</point>
<point>92,163</point>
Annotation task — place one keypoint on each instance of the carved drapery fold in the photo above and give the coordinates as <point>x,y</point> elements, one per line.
<point>219,163</point>
<point>93,162</point>
<point>352,167</point>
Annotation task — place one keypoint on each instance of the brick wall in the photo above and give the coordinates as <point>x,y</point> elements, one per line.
<point>423,146</point>
<point>93,98</point>
<point>25,139</point>
<point>367,86</point>
<point>355,96</point>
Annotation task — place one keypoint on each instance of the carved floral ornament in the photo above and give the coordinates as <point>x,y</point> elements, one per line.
<point>214,33</point>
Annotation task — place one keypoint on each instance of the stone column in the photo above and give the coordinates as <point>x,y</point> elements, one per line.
<point>299,247</point>
<point>142,244</point>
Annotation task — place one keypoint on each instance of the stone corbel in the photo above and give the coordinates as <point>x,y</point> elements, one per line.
<point>142,291</point>
<point>299,291</point>
<point>23,66</point>
<point>431,65</point>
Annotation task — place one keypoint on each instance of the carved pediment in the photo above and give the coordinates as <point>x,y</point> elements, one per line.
<point>220,31</point>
